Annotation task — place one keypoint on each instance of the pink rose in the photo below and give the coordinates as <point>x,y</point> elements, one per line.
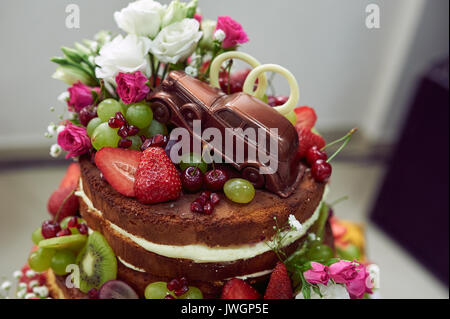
<point>74,139</point>
<point>361,284</point>
<point>198,17</point>
<point>234,33</point>
<point>81,96</point>
<point>317,275</point>
<point>132,87</point>
<point>343,271</point>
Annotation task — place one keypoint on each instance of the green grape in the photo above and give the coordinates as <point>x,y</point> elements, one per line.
<point>239,190</point>
<point>349,252</point>
<point>156,290</point>
<point>137,142</point>
<point>108,108</point>
<point>36,237</point>
<point>154,128</point>
<point>64,222</point>
<point>192,293</point>
<point>104,136</point>
<point>139,114</point>
<point>96,121</point>
<point>193,159</point>
<point>40,259</point>
<point>319,252</point>
<point>60,260</point>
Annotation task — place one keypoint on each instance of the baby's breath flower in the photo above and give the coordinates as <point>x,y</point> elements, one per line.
<point>312,236</point>
<point>21,293</point>
<point>60,128</point>
<point>55,150</point>
<point>190,70</point>
<point>22,286</point>
<point>219,35</point>
<point>30,273</point>
<point>42,291</point>
<point>294,223</point>
<point>30,295</point>
<point>33,283</point>
<point>6,285</point>
<point>17,274</point>
<point>63,97</point>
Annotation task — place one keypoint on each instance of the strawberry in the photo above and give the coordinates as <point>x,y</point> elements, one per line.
<point>72,176</point>
<point>239,289</point>
<point>279,284</point>
<point>308,139</point>
<point>157,179</point>
<point>119,166</point>
<point>63,203</point>
<point>306,117</point>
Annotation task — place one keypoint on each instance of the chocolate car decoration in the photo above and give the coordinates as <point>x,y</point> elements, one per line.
<point>181,99</point>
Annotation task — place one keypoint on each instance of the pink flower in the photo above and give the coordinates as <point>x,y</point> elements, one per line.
<point>132,87</point>
<point>75,140</point>
<point>234,33</point>
<point>361,284</point>
<point>317,275</point>
<point>198,17</point>
<point>343,271</point>
<point>81,96</point>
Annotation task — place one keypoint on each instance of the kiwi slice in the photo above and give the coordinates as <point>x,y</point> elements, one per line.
<point>72,242</point>
<point>97,263</point>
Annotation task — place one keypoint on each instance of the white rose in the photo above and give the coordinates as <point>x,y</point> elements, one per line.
<point>176,42</point>
<point>330,291</point>
<point>141,17</point>
<point>127,55</point>
<point>176,11</point>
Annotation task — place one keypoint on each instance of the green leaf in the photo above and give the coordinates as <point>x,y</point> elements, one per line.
<point>72,55</point>
<point>317,291</point>
<point>60,60</point>
<point>191,9</point>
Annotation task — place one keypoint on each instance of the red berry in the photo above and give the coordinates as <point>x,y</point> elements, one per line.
<point>123,131</point>
<point>83,229</point>
<point>124,143</point>
<point>196,207</point>
<point>215,179</point>
<point>308,139</point>
<point>63,202</point>
<point>118,167</point>
<point>181,291</point>
<point>73,222</point>
<point>314,154</point>
<point>306,117</point>
<point>277,100</point>
<point>93,293</point>
<point>174,284</point>
<point>49,229</point>
<point>239,289</point>
<point>279,286</point>
<point>215,199</point>
<point>321,170</point>
<point>192,179</point>
<point>157,179</point>
<point>208,208</point>
<point>87,114</point>
<point>132,130</point>
<point>64,232</point>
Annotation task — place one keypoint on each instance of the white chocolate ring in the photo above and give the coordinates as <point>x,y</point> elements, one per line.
<point>294,97</point>
<point>217,64</point>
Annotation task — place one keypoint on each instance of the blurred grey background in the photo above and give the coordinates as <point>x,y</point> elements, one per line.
<point>352,76</point>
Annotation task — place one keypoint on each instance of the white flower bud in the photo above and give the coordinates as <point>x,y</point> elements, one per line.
<point>190,70</point>
<point>294,223</point>
<point>219,35</point>
<point>42,291</point>
<point>30,295</point>
<point>33,283</point>
<point>22,286</point>
<point>17,274</point>
<point>60,128</point>
<point>55,150</point>
<point>6,285</point>
<point>30,273</point>
<point>63,97</point>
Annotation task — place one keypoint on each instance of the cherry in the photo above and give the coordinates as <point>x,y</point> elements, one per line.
<point>192,179</point>
<point>64,232</point>
<point>321,170</point>
<point>73,222</point>
<point>87,114</point>
<point>277,100</point>
<point>124,143</point>
<point>208,208</point>
<point>123,131</point>
<point>50,229</point>
<point>83,229</point>
<point>215,179</point>
<point>215,199</point>
<point>313,154</point>
<point>196,207</point>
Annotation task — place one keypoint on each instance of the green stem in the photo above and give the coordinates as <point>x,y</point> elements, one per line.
<point>337,201</point>
<point>155,76</point>
<point>152,66</point>
<point>166,68</point>
<point>346,138</point>
<point>349,134</point>
<point>55,219</point>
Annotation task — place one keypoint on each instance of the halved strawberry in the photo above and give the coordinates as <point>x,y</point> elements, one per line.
<point>306,117</point>
<point>308,139</point>
<point>119,166</point>
<point>72,176</point>
<point>239,289</point>
<point>279,284</point>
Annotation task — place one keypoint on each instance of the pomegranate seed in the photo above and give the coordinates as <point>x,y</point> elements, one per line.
<point>174,284</point>
<point>160,140</point>
<point>83,229</point>
<point>93,294</point>
<point>124,143</point>
<point>143,138</point>
<point>205,194</point>
<point>215,199</point>
<point>114,123</point>
<point>169,297</point>
<point>87,114</point>
<point>201,200</point>
<point>120,117</point>
<point>73,222</point>
<point>208,208</point>
<point>123,131</point>
<point>50,229</point>
<point>183,281</point>
<point>64,232</point>
<point>196,207</point>
<point>181,291</point>
<point>132,130</point>
<point>146,144</point>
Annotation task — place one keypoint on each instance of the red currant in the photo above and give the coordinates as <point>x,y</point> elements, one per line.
<point>321,170</point>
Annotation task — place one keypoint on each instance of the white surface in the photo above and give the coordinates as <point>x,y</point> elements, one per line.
<point>24,196</point>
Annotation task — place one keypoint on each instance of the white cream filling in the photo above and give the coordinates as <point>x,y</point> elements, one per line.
<point>201,253</point>
<point>126,264</point>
